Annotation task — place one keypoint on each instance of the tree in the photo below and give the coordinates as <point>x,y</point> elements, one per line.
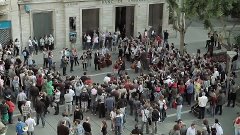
<point>209,10</point>
<point>178,15</point>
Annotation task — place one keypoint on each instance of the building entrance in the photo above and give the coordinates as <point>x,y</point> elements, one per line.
<point>90,21</point>
<point>124,20</point>
<point>42,24</point>
<point>156,17</point>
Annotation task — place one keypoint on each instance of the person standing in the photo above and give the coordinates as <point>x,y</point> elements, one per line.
<point>165,36</point>
<point>16,47</point>
<point>88,46</point>
<point>104,127</point>
<point>10,110</point>
<point>68,102</point>
<point>25,54</point>
<point>30,45</point>
<point>40,109</point>
<point>35,45</point>
<point>217,128</point>
<point>191,130</point>
<point>136,107</point>
<point>45,58</point>
<point>21,99</point>
<point>87,126</point>
<point>62,129</point>
<point>84,61</point>
<point>155,118</point>
<point>220,102</point>
<point>179,102</point>
<point>190,90</point>
<point>19,127</point>
<point>202,102</point>
<point>41,41</point>
<point>75,55</point>
<point>145,115</point>
<point>96,61</point>
<point>84,96</point>
<point>233,94</point>
<point>30,122</point>
<point>57,95</point>
<point>78,86</point>
<point>118,123</point>
<point>71,62</point>
<point>64,64</point>
<point>236,123</point>
<point>4,112</point>
<point>77,114</point>
<point>109,104</point>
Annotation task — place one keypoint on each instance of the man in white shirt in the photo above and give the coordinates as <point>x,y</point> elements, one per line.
<point>202,102</point>
<point>191,130</point>
<point>145,114</point>
<point>68,102</point>
<point>30,122</point>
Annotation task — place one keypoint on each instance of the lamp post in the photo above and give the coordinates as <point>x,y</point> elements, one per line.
<point>231,54</point>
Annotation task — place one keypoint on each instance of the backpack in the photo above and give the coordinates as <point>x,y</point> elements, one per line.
<point>19,127</point>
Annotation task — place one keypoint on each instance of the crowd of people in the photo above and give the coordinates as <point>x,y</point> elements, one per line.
<point>167,79</point>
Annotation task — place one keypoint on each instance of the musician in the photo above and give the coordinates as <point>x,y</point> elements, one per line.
<point>84,61</point>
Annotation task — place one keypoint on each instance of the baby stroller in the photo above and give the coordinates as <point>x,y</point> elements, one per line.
<point>195,110</point>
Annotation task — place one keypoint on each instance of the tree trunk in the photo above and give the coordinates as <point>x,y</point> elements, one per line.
<point>182,39</point>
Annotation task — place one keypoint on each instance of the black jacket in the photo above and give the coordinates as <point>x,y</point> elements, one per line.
<point>87,127</point>
<point>39,107</point>
<point>155,115</point>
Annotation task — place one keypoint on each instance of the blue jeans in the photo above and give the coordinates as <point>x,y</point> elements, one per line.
<point>118,130</point>
<point>40,115</point>
<point>179,111</point>
<point>237,131</point>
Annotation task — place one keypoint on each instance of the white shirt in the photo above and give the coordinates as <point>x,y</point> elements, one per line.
<point>145,115</point>
<point>30,42</point>
<point>89,39</point>
<point>30,123</point>
<point>202,101</point>
<point>72,92</point>
<point>218,128</point>
<point>106,79</point>
<point>17,44</point>
<point>139,64</point>
<point>191,131</point>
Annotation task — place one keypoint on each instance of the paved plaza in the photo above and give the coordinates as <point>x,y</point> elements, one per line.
<point>195,38</point>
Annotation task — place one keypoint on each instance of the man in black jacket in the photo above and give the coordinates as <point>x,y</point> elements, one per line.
<point>40,108</point>
<point>155,118</point>
<point>87,126</point>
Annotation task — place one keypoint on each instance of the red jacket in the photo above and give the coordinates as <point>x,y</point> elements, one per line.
<point>11,106</point>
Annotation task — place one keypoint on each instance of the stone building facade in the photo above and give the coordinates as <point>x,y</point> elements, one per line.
<point>63,18</point>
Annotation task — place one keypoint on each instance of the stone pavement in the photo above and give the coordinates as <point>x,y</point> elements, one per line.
<point>195,38</point>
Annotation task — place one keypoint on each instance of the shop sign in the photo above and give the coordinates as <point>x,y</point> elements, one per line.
<point>120,1</point>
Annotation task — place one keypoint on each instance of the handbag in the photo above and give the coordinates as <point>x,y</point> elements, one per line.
<point>148,119</point>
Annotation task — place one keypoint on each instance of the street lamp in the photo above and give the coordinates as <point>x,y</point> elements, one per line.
<point>231,54</point>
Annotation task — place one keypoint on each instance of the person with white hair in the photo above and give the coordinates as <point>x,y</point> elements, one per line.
<point>202,102</point>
